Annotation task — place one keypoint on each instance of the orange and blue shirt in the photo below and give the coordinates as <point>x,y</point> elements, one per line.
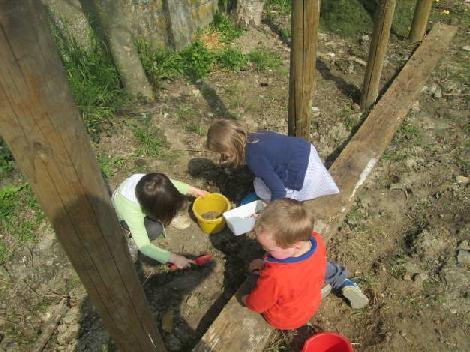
<point>288,291</point>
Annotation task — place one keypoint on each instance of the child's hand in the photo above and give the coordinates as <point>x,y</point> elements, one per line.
<point>256,265</point>
<point>197,192</point>
<point>180,261</point>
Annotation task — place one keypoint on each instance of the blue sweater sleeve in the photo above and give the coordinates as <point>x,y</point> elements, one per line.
<point>263,169</point>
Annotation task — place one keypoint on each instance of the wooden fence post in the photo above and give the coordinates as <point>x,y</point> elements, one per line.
<point>377,50</point>
<point>43,128</point>
<point>420,20</point>
<point>305,19</point>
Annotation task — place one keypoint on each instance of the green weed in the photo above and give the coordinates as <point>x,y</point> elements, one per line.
<point>195,128</point>
<point>20,217</point>
<point>396,266</point>
<point>93,79</point>
<point>225,27</point>
<point>265,59</point>
<point>7,162</point>
<point>198,60</point>
<point>109,164</point>
<point>282,7</point>
<point>151,140</point>
<point>4,252</point>
<point>232,59</point>
<point>185,112</point>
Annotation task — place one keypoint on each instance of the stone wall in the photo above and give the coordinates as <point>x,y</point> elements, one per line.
<point>164,23</point>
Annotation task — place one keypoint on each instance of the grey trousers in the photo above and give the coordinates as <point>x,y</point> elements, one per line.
<point>154,228</point>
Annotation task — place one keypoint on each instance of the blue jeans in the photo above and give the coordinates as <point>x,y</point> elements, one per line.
<point>335,275</point>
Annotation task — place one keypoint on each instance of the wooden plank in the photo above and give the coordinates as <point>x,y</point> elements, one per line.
<point>357,160</point>
<point>305,21</point>
<point>420,20</point>
<point>43,129</point>
<point>377,50</point>
<point>237,328</point>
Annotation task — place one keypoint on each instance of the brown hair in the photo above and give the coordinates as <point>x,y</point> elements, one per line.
<point>229,139</point>
<point>287,221</point>
<point>158,197</point>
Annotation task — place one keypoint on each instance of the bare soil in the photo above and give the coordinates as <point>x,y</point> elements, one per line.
<point>400,241</point>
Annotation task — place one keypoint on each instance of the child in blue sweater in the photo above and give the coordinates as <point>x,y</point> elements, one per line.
<point>284,167</point>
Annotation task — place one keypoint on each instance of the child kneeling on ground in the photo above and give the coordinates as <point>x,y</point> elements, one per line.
<point>146,203</point>
<point>288,290</point>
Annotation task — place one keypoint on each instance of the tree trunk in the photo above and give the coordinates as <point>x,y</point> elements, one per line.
<point>45,133</point>
<point>305,20</point>
<point>420,20</point>
<point>118,33</point>
<point>249,12</point>
<point>377,50</point>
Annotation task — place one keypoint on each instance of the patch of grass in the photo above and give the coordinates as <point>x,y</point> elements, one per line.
<point>264,59</point>
<point>160,63</point>
<point>232,59</point>
<point>109,164</point>
<point>152,141</point>
<point>282,7</point>
<point>396,266</point>
<point>225,27</point>
<point>93,79</point>
<point>7,162</point>
<point>185,112</point>
<point>198,60</point>
<point>195,128</point>
<point>346,17</point>
<point>20,217</point>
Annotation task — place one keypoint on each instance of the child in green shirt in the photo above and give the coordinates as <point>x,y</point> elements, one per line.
<point>147,203</point>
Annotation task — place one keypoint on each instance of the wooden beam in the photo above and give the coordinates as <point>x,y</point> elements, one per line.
<point>43,129</point>
<point>377,50</point>
<point>305,20</point>
<point>237,328</point>
<point>356,161</point>
<point>420,20</point>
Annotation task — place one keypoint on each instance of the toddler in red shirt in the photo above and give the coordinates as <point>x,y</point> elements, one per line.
<point>288,291</point>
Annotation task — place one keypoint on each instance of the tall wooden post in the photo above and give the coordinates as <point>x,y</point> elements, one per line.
<point>420,20</point>
<point>305,19</point>
<point>377,50</point>
<point>43,128</point>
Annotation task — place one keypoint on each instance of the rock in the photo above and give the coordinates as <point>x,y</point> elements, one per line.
<point>192,301</point>
<point>173,343</point>
<point>436,91</point>
<point>466,48</point>
<point>463,257</point>
<point>462,180</point>
<point>315,111</point>
<point>419,278</point>
<point>365,39</point>
<point>415,106</point>
<point>464,246</point>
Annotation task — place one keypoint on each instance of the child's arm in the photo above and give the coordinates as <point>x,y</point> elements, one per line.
<point>135,222</point>
<point>263,169</point>
<point>265,294</point>
<point>186,189</point>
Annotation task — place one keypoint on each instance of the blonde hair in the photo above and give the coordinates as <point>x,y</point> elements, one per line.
<point>287,221</point>
<point>229,139</point>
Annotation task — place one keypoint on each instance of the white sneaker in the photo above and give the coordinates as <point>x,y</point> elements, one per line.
<point>181,221</point>
<point>354,295</point>
<point>325,291</point>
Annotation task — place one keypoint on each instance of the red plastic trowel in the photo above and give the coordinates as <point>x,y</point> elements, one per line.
<point>199,261</point>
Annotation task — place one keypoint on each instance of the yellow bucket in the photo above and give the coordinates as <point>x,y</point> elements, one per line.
<point>212,202</point>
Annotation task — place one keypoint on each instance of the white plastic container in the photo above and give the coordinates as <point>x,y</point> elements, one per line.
<point>242,220</point>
